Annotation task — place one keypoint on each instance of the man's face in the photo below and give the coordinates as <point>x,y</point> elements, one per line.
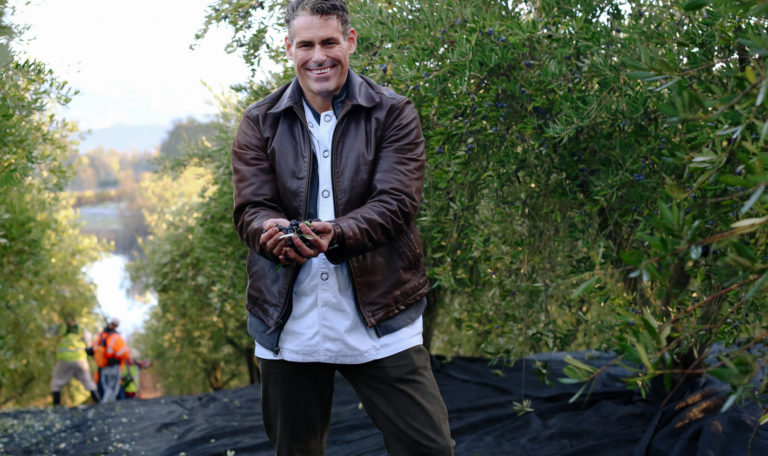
<point>320,56</point>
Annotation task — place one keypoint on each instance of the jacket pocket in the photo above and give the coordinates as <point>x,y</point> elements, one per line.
<point>411,251</point>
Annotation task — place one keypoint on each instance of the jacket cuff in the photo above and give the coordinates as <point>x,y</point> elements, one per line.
<point>338,236</point>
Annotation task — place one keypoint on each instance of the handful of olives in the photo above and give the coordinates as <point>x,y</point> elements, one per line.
<point>293,228</point>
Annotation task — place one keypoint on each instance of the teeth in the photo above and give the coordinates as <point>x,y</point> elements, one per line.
<point>320,71</point>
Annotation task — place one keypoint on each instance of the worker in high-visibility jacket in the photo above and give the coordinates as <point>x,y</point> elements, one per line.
<point>110,352</point>
<point>72,361</point>
<point>130,379</point>
<point>131,384</point>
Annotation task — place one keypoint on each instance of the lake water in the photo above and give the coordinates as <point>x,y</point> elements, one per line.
<point>112,290</point>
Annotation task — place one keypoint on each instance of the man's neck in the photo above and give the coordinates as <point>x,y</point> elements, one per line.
<point>328,102</point>
<point>320,105</point>
<point>337,101</point>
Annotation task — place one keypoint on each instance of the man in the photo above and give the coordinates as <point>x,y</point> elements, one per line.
<point>72,361</point>
<point>334,148</point>
<point>110,352</point>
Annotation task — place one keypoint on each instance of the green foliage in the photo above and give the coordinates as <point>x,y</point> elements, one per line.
<point>569,139</point>
<point>194,261</point>
<point>42,253</point>
<point>702,253</point>
<point>527,157</point>
<point>252,23</point>
<point>182,135</point>
<point>596,172</point>
<point>192,258</point>
<point>101,168</point>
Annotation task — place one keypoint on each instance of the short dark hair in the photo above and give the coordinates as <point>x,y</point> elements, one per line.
<point>327,8</point>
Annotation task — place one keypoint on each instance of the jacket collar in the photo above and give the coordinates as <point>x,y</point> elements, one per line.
<point>358,93</point>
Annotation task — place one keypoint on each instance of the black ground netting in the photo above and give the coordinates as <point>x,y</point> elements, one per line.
<point>481,404</point>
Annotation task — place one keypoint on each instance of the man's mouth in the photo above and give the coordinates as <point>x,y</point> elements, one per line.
<point>320,71</point>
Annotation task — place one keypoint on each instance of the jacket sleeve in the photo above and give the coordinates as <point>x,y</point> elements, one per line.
<point>254,183</point>
<point>395,190</point>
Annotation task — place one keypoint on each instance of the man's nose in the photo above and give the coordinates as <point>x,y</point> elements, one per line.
<point>319,55</point>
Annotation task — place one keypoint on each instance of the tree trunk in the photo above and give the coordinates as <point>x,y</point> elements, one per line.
<point>250,360</point>
<point>430,315</point>
<point>214,377</point>
<point>254,376</point>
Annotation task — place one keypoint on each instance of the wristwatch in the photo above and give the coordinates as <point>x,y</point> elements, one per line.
<point>338,236</point>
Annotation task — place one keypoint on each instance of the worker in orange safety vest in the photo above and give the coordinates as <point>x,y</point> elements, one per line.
<point>110,352</point>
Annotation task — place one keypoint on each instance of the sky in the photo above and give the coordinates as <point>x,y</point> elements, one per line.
<point>130,60</point>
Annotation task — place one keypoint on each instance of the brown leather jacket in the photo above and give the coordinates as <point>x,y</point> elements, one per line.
<point>377,170</point>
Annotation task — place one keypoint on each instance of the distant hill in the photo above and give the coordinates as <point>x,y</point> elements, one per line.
<point>125,137</point>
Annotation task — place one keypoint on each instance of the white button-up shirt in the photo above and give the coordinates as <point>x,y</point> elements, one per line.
<point>325,325</point>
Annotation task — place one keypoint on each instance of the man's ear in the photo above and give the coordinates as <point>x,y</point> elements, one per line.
<point>352,40</point>
<point>288,48</point>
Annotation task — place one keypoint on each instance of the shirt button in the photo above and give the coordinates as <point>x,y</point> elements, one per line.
<point>326,153</point>
<point>311,125</point>
<point>326,193</point>
<point>324,276</point>
<point>327,117</point>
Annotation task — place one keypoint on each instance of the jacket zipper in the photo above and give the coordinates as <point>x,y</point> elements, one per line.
<point>281,319</point>
<point>280,322</point>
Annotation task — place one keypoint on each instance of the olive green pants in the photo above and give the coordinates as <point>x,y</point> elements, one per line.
<point>399,394</point>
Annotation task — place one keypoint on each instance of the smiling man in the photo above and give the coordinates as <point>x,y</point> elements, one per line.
<point>328,174</point>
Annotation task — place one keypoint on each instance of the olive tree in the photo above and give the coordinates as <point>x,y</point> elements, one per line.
<point>42,252</point>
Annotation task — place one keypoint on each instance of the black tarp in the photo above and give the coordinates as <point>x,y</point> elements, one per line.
<point>480,397</point>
